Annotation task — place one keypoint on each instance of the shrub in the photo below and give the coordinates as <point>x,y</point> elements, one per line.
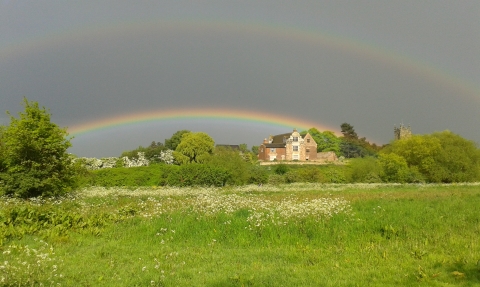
<point>34,155</point>
<point>197,175</point>
<point>365,169</point>
<point>258,175</point>
<point>281,169</point>
<point>275,179</point>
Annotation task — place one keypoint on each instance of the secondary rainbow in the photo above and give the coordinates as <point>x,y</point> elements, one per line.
<point>244,116</point>
<point>86,34</point>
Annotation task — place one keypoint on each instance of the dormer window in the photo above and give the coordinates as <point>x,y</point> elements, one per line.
<point>295,139</point>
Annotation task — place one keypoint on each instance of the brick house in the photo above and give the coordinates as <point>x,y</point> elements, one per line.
<point>289,146</point>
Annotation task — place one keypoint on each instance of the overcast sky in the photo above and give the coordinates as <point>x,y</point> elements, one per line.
<point>373,64</point>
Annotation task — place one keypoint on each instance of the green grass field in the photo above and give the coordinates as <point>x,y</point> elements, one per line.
<point>289,235</point>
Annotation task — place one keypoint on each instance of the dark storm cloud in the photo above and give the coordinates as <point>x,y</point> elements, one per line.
<point>107,74</point>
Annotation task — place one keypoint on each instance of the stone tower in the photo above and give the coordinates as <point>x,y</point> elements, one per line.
<point>402,132</point>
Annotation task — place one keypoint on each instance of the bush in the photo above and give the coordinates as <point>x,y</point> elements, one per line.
<point>133,176</point>
<point>281,169</point>
<point>258,175</point>
<point>197,175</point>
<point>275,179</point>
<point>334,175</point>
<point>365,170</point>
<point>34,158</point>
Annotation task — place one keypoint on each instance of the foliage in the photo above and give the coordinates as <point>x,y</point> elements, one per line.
<point>135,162</point>
<point>348,131</point>
<point>394,167</point>
<point>365,170</point>
<point>166,156</point>
<point>440,157</point>
<point>34,155</point>
<point>175,140</point>
<point>258,175</point>
<point>151,153</point>
<point>194,148</point>
<point>352,146</point>
<point>326,141</point>
<point>305,174</point>
<point>334,175</point>
<point>131,177</point>
<point>281,169</point>
<point>92,163</point>
<point>234,162</point>
<point>196,174</point>
<point>255,149</point>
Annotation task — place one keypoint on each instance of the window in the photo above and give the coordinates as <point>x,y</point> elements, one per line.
<point>308,140</point>
<point>272,150</point>
<point>295,148</point>
<point>295,139</point>
<point>308,150</point>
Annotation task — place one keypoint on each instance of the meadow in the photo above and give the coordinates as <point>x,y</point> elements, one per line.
<point>269,235</point>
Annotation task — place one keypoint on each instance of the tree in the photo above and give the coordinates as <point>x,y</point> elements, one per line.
<point>255,149</point>
<point>326,141</point>
<point>348,131</point>
<point>352,146</point>
<point>34,155</point>
<point>175,140</point>
<point>394,168</point>
<point>194,147</point>
<point>440,157</point>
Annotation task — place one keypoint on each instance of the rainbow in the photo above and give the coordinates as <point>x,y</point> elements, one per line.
<point>92,33</point>
<point>245,116</point>
<point>86,34</point>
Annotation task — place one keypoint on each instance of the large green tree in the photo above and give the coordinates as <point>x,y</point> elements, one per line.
<point>326,141</point>
<point>34,158</point>
<point>194,148</point>
<point>175,140</point>
<point>440,157</point>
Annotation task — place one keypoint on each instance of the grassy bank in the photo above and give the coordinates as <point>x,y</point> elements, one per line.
<point>290,235</point>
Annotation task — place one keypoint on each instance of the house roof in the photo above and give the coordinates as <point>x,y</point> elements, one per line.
<point>274,145</point>
<point>279,139</point>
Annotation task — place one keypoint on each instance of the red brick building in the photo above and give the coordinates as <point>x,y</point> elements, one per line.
<point>289,146</point>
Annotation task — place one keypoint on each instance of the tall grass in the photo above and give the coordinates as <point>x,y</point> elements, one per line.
<point>290,235</point>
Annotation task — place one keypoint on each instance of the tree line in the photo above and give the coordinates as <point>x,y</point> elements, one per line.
<point>34,160</point>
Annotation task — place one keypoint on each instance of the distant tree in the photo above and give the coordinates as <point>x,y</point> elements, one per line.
<point>352,146</point>
<point>151,153</point>
<point>348,131</point>
<point>243,147</point>
<point>194,147</point>
<point>326,141</point>
<point>34,155</point>
<point>133,154</point>
<point>440,157</point>
<point>175,140</point>
<point>255,149</point>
